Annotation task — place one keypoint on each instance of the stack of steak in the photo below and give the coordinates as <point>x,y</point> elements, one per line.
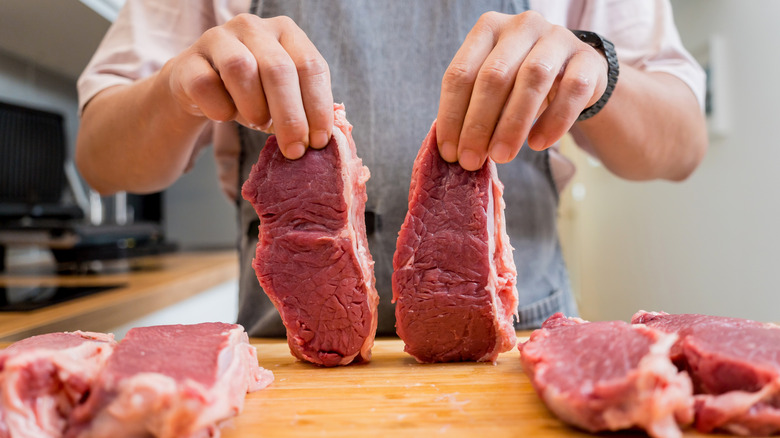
<point>608,376</point>
<point>735,367</point>
<point>163,381</point>
<point>661,371</point>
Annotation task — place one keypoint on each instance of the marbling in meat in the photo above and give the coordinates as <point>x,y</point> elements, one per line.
<point>312,256</point>
<point>454,276</point>
<point>607,376</point>
<point>174,381</point>
<point>735,367</point>
<point>42,378</point>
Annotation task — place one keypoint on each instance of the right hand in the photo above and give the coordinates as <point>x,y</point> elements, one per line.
<point>257,72</point>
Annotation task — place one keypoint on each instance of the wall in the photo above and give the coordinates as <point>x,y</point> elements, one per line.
<point>197,215</point>
<point>24,83</point>
<point>710,243</point>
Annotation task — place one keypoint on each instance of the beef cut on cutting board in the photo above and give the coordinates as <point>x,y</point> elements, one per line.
<point>606,376</point>
<point>735,367</point>
<point>43,377</point>
<point>312,256</point>
<point>454,276</point>
<point>174,381</point>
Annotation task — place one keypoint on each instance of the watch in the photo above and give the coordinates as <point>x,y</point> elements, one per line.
<point>605,46</point>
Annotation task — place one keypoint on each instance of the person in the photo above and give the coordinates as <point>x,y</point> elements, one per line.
<point>506,79</point>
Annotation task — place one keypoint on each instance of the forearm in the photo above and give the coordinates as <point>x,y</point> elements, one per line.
<point>136,137</point>
<point>651,128</point>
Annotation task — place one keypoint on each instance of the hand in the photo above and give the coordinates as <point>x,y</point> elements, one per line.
<point>258,72</point>
<point>511,70</point>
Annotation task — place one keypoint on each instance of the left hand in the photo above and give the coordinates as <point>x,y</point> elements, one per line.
<point>510,71</point>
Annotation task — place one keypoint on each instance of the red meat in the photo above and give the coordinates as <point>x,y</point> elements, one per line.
<point>606,376</point>
<point>735,367</point>
<point>44,377</point>
<point>312,256</point>
<point>454,276</point>
<point>176,381</point>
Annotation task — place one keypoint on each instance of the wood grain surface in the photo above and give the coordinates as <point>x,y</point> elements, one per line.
<point>394,396</point>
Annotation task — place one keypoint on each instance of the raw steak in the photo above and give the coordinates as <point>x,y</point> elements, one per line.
<point>610,375</point>
<point>735,367</point>
<point>176,381</point>
<point>454,276</point>
<point>43,377</point>
<point>312,256</point>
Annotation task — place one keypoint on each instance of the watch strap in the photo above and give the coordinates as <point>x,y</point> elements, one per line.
<point>613,69</point>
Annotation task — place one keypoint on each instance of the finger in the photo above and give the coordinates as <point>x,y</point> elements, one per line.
<point>279,80</point>
<point>314,77</point>
<point>535,80</point>
<point>201,88</point>
<point>577,86</point>
<point>458,84</point>
<point>237,67</point>
<point>491,89</point>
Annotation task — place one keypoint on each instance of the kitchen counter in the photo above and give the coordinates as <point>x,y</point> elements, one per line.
<point>152,283</point>
<point>393,395</point>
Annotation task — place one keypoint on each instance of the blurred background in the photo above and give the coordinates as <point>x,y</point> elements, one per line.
<point>707,245</point>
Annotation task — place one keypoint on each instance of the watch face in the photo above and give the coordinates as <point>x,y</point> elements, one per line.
<point>590,38</point>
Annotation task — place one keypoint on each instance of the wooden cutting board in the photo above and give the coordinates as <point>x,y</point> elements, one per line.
<point>394,396</point>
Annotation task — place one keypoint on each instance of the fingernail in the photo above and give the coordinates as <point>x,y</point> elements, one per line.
<point>537,141</point>
<point>449,152</point>
<point>500,153</point>
<point>295,151</point>
<point>195,110</point>
<point>470,160</point>
<point>319,139</point>
<point>265,127</point>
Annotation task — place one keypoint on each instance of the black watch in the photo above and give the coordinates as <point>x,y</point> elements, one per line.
<point>605,46</point>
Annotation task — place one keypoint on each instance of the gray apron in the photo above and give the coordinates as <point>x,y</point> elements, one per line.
<point>386,61</point>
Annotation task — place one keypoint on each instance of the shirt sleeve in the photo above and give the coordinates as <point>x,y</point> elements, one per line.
<point>145,35</point>
<point>645,37</point>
